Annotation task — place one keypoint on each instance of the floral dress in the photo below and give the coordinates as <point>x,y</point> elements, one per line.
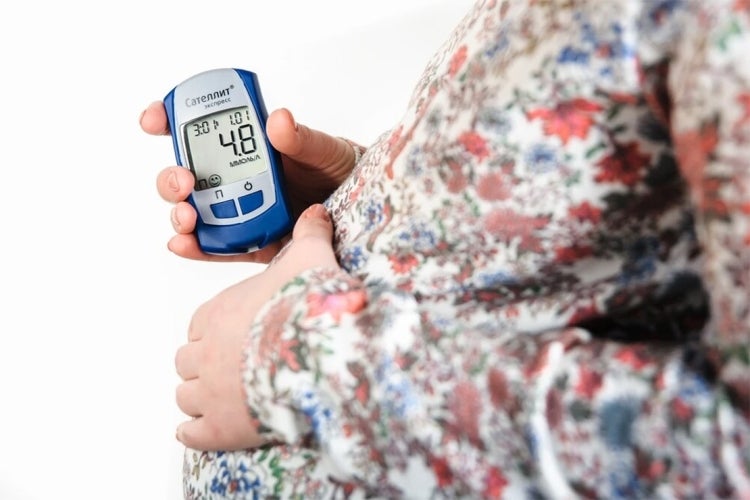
<point>545,283</point>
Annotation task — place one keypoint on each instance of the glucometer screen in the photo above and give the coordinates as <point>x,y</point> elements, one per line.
<point>225,147</point>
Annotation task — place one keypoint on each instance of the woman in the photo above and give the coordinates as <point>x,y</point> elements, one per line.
<point>537,286</point>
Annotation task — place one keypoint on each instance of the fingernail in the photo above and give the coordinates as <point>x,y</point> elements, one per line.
<point>151,105</point>
<point>320,211</point>
<point>173,218</point>
<point>294,122</point>
<point>172,182</point>
<point>324,213</point>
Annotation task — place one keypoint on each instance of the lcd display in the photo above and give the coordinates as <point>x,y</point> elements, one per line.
<point>225,147</point>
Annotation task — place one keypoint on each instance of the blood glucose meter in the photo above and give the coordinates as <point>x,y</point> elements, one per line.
<point>218,124</point>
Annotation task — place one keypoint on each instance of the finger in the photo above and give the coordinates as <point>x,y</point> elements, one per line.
<point>183,217</point>
<point>215,432</point>
<point>175,184</point>
<point>187,247</point>
<point>198,435</point>
<point>309,146</point>
<point>153,119</point>
<point>187,360</point>
<point>314,222</point>
<point>311,245</point>
<point>188,396</point>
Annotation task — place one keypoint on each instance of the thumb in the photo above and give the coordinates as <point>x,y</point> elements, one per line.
<point>233,431</point>
<point>315,223</point>
<point>311,245</point>
<point>309,147</point>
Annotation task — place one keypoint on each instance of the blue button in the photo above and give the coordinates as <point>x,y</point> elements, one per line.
<point>224,210</point>
<point>251,201</point>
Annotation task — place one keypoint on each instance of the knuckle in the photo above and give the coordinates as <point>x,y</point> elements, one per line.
<point>203,315</point>
<point>178,357</point>
<point>181,396</point>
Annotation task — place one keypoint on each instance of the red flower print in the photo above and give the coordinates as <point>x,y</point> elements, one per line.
<point>511,311</point>
<point>402,263</point>
<point>347,429</point>
<point>583,313</point>
<point>539,362</point>
<point>272,331</point>
<point>585,212</point>
<point>624,165</point>
<point>395,136</point>
<point>693,149</point>
<point>744,103</point>
<point>681,411</point>
<point>362,390</point>
<point>623,98</point>
<point>710,199</point>
<point>492,187</point>
<point>458,59</point>
<point>475,144</point>
<point>647,466</point>
<point>589,382</point>
<point>498,387</point>
<point>466,406</point>
<point>457,180</point>
<point>286,352</point>
<point>660,382</point>
<point>395,145</point>
<point>568,119</point>
<point>404,360</point>
<point>507,224</point>
<point>494,483</point>
<point>335,304</point>
<point>442,471</point>
<point>571,254</point>
<point>636,357</point>
<point>357,189</point>
<point>741,5</point>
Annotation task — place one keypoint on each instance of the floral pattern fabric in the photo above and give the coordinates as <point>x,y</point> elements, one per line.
<point>545,289</point>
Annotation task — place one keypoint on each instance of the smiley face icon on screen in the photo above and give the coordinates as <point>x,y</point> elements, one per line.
<point>214,180</point>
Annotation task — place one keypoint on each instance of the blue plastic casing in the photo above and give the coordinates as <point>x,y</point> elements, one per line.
<point>192,99</point>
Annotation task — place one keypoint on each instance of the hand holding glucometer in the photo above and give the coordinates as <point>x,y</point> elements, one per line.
<point>217,120</point>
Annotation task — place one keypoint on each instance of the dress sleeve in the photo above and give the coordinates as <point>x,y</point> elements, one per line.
<point>398,406</point>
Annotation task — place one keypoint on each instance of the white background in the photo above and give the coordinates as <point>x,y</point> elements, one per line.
<point>93,306</point>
